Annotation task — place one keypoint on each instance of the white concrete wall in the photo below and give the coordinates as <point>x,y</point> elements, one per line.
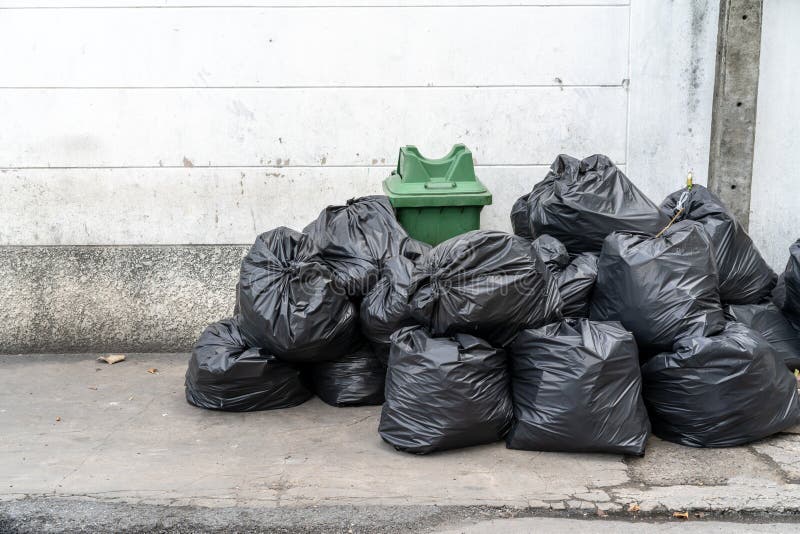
<point>775,200</point>
<point>166,122</point>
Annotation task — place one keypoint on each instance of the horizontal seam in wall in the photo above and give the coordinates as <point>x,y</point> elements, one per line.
<point>305,87</point>
<point>133,167</point>
<point>312,6</point>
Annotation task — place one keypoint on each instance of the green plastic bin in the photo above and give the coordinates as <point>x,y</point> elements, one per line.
<point>436,199</point>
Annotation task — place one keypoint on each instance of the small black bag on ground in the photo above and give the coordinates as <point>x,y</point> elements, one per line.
<point>353,380</point>
<point>576,387</point>
<point>484,283</point>
<point>385,308</point>
<point>444,393</point>
<point>353,239</point>
<point>787,292</point>
<point>575,278</point>
<point>224,374</point>
<point>580,202</point>
<point>767,320</point>
<point>744,276</point>
<point>720,391</point>
<point>660,288</point>
<point>289,302</point>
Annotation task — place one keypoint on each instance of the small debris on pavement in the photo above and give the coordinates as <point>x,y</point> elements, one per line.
<point>93,388</point>
<point>680,515</point>
<point>153,371</point>
<point>601,513</point>
<point>633,507</point>
<point>112,358</point>
<point>58,419</point>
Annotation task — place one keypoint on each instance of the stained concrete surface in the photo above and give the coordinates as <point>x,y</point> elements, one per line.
<point>86,442</point>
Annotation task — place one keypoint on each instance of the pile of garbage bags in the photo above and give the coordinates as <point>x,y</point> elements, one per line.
<point>602,318</point>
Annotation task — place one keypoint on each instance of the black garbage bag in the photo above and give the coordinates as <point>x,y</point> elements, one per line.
<point>787,292</point>
<point>353,239</point>
<point>551,251</point>
<point>352,380</point>
<point>385,308</point>
<point>520,217</point>
<point>575,278</point>
<point>580,202</point>
<point>225,374</point>
<point>767,320</point>
<point>744,276</point>
<point>660,288</point>
<point>289,302</point>
<point>485,283</point>
<point>576,283</point>
<point>444,393</point>
<point>720,391</point>
<point>576,387</point>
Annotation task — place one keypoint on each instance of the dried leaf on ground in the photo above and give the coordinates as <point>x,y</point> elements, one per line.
<point>680,515</point>
<point>633,507</point>
<point>112,358</point>
<point>153,371</point>
<point>601,513</point>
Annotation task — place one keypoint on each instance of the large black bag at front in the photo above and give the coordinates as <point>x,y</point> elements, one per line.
<point>580,202</point>
<point>485,283</point>
<point>576,387</point>
<point>787,293</point>
<point>744,276</point>
<point>660,288</point>
<point>720,391</point>
<point>767,320</point>
<point>354,238</point>
<point>355,379</point>
<point>444,393</point>
<point>289,302</point>
<point>225,374</point>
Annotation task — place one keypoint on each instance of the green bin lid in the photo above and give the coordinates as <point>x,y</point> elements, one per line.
<point>449,181</point>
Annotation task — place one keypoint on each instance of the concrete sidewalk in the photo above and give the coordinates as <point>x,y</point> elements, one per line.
<point>76,434</point>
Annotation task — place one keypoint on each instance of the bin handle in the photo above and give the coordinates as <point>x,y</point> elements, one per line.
<point>440,185</point>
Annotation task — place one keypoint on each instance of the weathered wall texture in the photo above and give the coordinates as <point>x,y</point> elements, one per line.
<point>180,123</point>
<point>775,198</point>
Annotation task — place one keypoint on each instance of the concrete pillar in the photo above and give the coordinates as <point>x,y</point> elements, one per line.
<point>734,113</point>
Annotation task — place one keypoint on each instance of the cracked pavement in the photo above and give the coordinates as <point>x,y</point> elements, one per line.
<point>78,433</point>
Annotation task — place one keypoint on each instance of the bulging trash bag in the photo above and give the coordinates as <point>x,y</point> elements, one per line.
<point>289,302</point>
<point>444,393</point>
<point>720,391</point>
<point>355,379</point>
<point>660,288</point>
<point>575,278</point>
<point>580,202</point>
<point>520,217</point>
<point>576,387</point>
<point>576,283</point>
<point>353,239</point>
<point>485,283</point>
<point>767,320</point>
<point>551,251</point>
<point>787,293</point>
<point>744,276</point>
<point>225,374</point>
